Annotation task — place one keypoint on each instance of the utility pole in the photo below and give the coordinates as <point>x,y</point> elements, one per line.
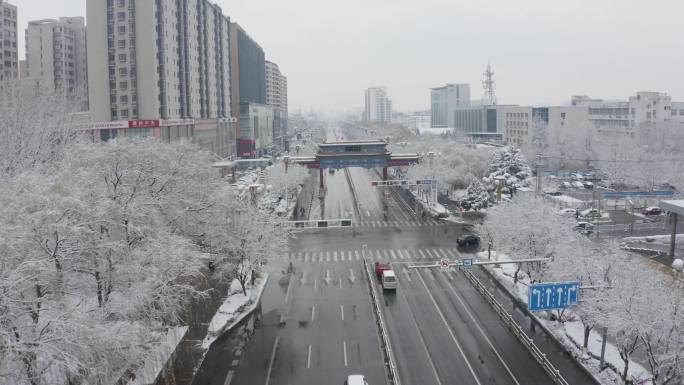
<point>539,179</point>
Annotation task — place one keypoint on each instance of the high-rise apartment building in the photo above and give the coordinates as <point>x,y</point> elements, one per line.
<point>445,100</point>
<point>56,56</point>
<point>378,107</point>
<point>276,97</point>
<point>162,59</point>
<point>9,50</point>
<point>23,70</point>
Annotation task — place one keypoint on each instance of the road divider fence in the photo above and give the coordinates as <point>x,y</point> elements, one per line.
<point>390,362</point>
<point>517,331</point>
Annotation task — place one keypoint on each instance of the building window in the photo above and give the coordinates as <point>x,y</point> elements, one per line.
<point>123,85</point>
<point>124,113</point>
<point>562,115</point>
<point>121,3</point>
<point>122,30</point>
<point>123,99</point>
<point>122,58</point>
<point>123,71</point>
<point>121,16</point>
<point>122,44</point>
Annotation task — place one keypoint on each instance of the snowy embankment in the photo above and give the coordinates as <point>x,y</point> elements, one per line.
<point>153,365</point>
<point>434,209</point>
<point>234,308</point>
<point>571,332</point>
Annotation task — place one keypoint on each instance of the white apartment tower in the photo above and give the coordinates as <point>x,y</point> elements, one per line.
<point>9,50</point>
<point>276,87</point>
<point>378,107</point>
<point>158,59</point>
<point>56,56</point>
<point>445,100</point>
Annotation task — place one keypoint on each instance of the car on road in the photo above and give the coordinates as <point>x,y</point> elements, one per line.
<point>584,227</point>
<point>468,240</point>
<point>588,185</point>
<point>380,267</point>
<point>389,280</point>
<point>554,193</point>
<point>356,379</point>
<point>653,210</point>
<point>590,213</point>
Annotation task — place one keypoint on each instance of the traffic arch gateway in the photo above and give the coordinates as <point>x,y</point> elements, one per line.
<point>362,153</point>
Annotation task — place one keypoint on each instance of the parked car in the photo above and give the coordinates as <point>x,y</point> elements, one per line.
<point>568,212</point>
<point>380,267</point>
<point>653,210</point>
<point>468,240</point>
<point>356,379</point>
<point>554,193</point>
<point>577,184</point>
<point>590,213</point>
<point>584,227</point>
<point>588,185</point>
<point>566,185</point>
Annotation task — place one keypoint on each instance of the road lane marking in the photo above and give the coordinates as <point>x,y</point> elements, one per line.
<point>401,255</point>
<point>270,363</point>
<point>377,252</point>
<point>313,313</point>
<point>444,253</point>
<point>342,255</point>
<point>420,334</point>
<point>384,252</point>
<point>306,257</point>
<point>340,282</point>
<point>315,283</point>
<point>344,348</point>
<point>335,256</point>
<point>327,256</point>
<point>407,274</point>
<point>479,328</point>
<point>422,255</point>
<point>451,252</point>
<point>429,253</point>
<point>342,311</point>
<point>229,377</point>
<point>308,359</point>
<point>358,256</point>
<point>448,328</point>
<point>394,256</point>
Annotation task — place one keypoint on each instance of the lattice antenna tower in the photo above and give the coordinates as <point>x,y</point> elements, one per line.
<point>489,86</point>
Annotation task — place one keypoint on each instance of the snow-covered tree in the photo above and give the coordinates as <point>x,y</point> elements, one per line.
<point>510,164</point>
<point>476,197</point>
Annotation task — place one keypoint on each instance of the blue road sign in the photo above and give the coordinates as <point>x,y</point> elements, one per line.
<point>468,262</point>
<point>549,296</point>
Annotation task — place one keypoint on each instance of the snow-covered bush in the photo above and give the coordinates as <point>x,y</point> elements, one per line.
<point>510,164</point>
<point>476,196</point>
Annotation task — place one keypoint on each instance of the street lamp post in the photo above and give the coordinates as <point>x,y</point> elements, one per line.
<point>286,159</point>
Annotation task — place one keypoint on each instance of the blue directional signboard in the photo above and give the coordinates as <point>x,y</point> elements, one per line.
<point>550,296</point>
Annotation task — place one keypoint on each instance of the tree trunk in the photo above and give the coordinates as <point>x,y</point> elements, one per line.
<point>626,369</point>
<point>515,276</point>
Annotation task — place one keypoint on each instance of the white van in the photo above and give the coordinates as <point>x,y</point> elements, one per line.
<point>389,280</point>
<point>356,379</point>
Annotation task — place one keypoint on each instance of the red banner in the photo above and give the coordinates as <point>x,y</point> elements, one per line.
<point>150,123</point>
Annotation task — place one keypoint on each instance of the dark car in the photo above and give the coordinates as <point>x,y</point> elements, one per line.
<point>584,228</point>
<point>468,240</point>
<point>554,193</point>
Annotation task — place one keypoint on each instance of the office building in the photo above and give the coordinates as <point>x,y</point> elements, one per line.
<point>496,123</point>
<point>150,60</point>
<point>644,108</point>
<point>276,97</point>
<point>445,100</point>
<point>255,129</point>
<point>9,50</point>
<point>378,107</point>
<point>56,56</point>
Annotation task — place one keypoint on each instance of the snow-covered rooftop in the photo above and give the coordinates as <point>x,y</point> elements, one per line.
<point>675,206</point>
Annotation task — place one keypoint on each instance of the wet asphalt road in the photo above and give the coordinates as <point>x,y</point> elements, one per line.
<point>318,324</point>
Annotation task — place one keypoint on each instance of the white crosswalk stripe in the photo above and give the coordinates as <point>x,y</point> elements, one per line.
<point>341,255</point>
<point>327,256</point>
<point>335,256</point>
<point>358,255</point>
<point>374,255</point>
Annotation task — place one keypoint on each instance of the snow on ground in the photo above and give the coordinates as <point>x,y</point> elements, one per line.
<point>159,356</point>
<point>568,200</point>
<point>234,308</point>
<point>570,333</point>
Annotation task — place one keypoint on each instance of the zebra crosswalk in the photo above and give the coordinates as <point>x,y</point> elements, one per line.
<point>373,255</point>
<point>402,223</point>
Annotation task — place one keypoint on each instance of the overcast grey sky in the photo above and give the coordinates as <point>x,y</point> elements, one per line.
<point>542,51</point>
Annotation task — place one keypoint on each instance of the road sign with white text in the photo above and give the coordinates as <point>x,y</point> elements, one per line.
<point>468,262</point>
<point>550,296</point>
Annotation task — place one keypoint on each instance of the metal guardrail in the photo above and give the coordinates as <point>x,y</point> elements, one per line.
<point>384,337</point>
<point>513,326</point>
<point>321,223</point>
<point>632,227</point>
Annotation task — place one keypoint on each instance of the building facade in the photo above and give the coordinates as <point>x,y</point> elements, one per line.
<point>625,115</point>
<point>255,129</point>
<point>445,100</point>
<point>276,97</point>
<point>159,59</point>
<point>9,50</point>
<point>23,70</point>
<point>248,69</point>
<point>378,107</point>
<point>56,56</point>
